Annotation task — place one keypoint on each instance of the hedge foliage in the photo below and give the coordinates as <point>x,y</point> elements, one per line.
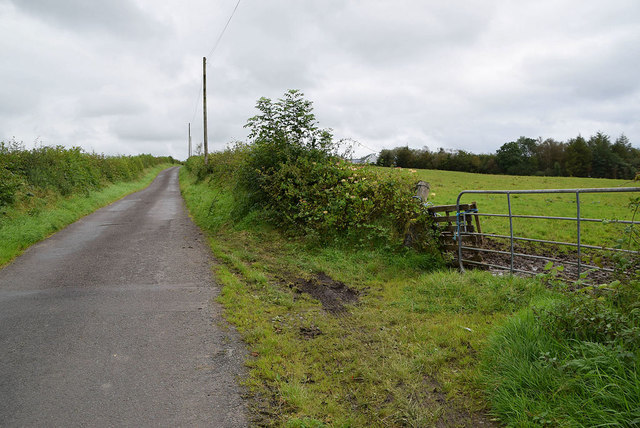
<point>63,171</point>
<point>291,174</point>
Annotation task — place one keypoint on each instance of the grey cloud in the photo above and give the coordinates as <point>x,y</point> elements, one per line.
<point>116,17</point>
<point>108,104</point>
<point>17,98</point>
<point>388,33</point>
<point>123,76</point>
<point>145,127</point>
<point>596,73</point>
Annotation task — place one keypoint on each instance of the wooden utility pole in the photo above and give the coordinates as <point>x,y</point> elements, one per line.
<point>189,140</point>
<point>204,109</point>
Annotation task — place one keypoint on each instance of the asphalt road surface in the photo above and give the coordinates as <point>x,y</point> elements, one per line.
<point>111,322</point>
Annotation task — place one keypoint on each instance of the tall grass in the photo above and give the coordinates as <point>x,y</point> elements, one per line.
<point>536,377</point>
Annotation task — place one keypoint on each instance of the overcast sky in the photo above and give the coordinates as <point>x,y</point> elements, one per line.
<point>124,76</point>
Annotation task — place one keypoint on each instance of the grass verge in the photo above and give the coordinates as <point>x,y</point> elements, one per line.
<point>404,353</point>
<point>20,228</point>
<point>569,361</point>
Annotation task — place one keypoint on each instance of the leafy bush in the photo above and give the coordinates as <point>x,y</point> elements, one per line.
<point>611,319</point>
<point>333,197</point>
<point>9,184</point>
<point>284,132</point>
<point>9,181</point>
<point>291,173</point>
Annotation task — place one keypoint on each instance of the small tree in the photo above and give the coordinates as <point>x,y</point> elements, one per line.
<point>578,158</point>
<point>603,159</point>
<point>281,133</point>
<point>385,158</point>
<point>289,122</point>
<point>517,157</point>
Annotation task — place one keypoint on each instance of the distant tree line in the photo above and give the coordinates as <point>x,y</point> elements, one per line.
<point>577,157</point>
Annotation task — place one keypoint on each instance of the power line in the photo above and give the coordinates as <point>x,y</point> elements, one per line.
<point>215,46</point>
<point>366,147</point>
<point>224,29</point>
<point>195,109</point>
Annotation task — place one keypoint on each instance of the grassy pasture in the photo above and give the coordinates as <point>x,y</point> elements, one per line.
<point>446,185</point>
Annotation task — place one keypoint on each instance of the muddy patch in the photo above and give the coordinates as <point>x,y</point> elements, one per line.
<point>597,266</point>
<point>452,415</point>
<point>332,294</point>
<point>310,332</point>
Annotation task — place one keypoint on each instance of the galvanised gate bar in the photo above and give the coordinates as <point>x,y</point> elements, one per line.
<point>461,229</point>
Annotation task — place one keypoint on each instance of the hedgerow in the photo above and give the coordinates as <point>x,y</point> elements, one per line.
<point>291,172</point>
<point>63,171</point>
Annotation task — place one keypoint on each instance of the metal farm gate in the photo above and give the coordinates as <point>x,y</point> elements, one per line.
<point>460,230</point>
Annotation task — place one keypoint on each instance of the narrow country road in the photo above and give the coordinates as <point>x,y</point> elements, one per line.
<point>111,322</point>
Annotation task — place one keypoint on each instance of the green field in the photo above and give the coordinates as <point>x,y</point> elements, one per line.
<point>422,344</point>
<point>446,185</point>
